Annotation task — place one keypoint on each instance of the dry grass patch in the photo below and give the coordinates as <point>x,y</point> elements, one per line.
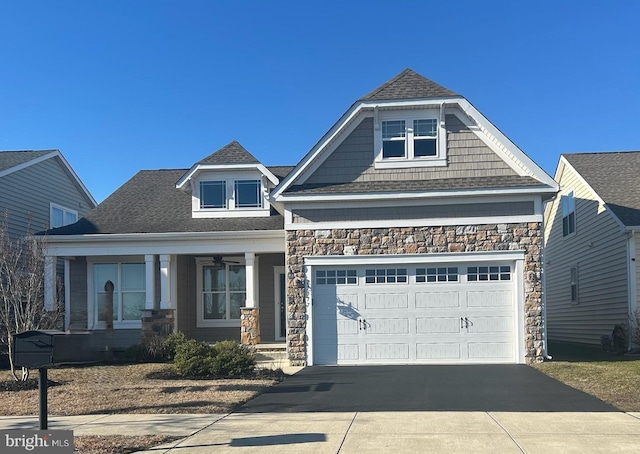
<point>115,444</point>
<point>129,389</point>
<point>615,382</point>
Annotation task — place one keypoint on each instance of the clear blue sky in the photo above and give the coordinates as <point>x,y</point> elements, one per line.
<point>120,86</point>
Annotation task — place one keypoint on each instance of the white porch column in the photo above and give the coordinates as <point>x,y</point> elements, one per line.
<point>165,281</point>
<point>150,281</point>
<point>67,293</point>
<point>249,260</point>
<point>50,282</point>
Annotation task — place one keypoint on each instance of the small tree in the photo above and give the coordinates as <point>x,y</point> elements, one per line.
<point>22,306</point>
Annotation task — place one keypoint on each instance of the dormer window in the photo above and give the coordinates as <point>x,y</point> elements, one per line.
<point>247,194</point>
<point>410,139</point>
<point>213,194</point>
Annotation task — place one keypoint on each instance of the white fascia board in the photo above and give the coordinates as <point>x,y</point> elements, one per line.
<point>34,161</point>
<point>413,195</point>
<point>225,167</point>
<point>75,176</point>
<point>167,243</point>
<point>430,222</point>
<point>508,149</point>
<point>566,164</point>
<point>389,259</point>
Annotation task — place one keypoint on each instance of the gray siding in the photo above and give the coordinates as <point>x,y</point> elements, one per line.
<point>599,250</point>
<point>353,159</point>
<point>25,196</point>
<point>266,301</point>
<point>414,212</point>
<point>78,292</point>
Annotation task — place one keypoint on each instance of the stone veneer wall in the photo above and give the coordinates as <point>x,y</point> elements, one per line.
<point>414,240</point>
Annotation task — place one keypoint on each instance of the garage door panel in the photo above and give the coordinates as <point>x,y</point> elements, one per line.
<point>439,350</point>
<point>387,326</point>
<point>490,350</point>
<point>348,352</point>
<point>346,327</point>
<point>437,300</point>
<point>387,351</point>
<point>490,325</point>
<point>386,301</point>
<point>438,325</point>
<point>490,298</point>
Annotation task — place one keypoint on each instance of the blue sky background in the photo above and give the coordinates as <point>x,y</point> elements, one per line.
<point>120,86</point>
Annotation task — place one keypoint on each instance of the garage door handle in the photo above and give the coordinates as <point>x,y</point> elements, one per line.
<point>363,324</point>
<point>461,322</point>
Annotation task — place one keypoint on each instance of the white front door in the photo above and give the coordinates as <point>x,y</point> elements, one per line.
<point>432,313</point>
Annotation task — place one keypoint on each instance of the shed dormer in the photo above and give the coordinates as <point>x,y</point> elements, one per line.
<point>229,183</point>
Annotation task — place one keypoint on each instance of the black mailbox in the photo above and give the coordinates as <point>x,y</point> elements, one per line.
<point>45,348</point>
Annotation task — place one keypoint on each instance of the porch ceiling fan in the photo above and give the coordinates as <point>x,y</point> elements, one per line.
<point>219,260</point>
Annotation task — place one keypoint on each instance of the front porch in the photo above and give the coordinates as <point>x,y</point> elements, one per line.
<point>204,293</point>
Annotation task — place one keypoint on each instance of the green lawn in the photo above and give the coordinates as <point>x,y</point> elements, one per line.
<point>612,378</point>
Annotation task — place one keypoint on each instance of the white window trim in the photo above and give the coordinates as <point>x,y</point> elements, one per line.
<point>65,210</point>
<point>440,159</point>
<point>231,210</point>
<point>92,313</point>
<point>201,322</point>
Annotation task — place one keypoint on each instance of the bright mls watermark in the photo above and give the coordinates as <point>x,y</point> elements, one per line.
<point>36,441</point>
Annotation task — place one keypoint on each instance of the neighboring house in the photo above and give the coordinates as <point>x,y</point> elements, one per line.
<point>410,233</point>
<point>591,238</point>
<point>40,190</point>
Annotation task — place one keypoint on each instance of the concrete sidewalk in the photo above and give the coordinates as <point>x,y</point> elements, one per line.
<point>371,432</point>
<point>410,432</point>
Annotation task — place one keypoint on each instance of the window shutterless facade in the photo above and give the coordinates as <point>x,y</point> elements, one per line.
<point>213,194</point>
<point>248,193</point>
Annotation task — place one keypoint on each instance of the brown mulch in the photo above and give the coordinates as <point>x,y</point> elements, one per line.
<point>132,388</point>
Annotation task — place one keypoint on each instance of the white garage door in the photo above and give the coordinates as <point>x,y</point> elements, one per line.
<point>435,313</point>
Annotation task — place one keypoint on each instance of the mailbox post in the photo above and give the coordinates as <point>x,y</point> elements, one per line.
<point>42,349</point>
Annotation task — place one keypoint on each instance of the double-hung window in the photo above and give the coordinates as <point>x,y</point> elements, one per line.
<point>222,292</point>
<point>118,288</point>
<point>410,139</point>
<point>568,214</point>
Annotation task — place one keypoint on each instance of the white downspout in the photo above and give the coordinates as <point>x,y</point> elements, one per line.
<point>545,346</point>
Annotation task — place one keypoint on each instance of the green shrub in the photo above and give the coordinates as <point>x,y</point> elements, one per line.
<point>224,359</point>
<point>171,344</point>
<point>233,359</point>
<point>194,359</point>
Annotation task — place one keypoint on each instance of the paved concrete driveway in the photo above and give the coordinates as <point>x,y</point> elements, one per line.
<point>487,388</point>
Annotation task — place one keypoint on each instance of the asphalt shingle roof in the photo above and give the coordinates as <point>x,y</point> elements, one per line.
<point>150,203</point>
<point>614,177</point>
<point>449,184</point>
<point>232,153</point>
<point>408,85</point>
<point>10,159</point>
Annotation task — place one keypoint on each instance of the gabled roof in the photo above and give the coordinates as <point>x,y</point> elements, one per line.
<point>614,178</point>
<point>408,85</point>
<point>231,156</point>
<point>150,203</point>
<point>232,153</point>
<point>9,159</point>
<point>410,90</point>
<point>14,161</point>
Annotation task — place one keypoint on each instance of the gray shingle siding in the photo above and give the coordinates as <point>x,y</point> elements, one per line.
<point>353,159</point>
